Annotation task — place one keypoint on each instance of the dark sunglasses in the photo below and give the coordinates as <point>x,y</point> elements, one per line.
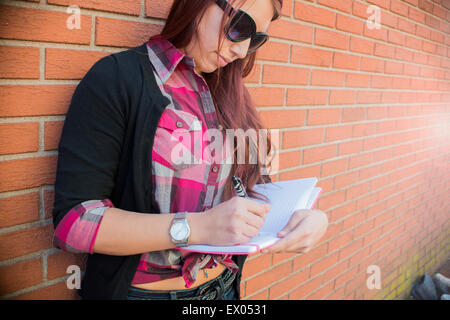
<point>242,26</point>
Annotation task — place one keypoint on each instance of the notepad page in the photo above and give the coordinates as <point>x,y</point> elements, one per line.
<point>285,197</point>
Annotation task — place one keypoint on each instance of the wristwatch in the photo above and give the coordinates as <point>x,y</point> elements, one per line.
<point>179,230</point>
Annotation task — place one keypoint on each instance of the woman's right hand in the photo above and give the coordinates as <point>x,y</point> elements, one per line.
<point>234,221</point>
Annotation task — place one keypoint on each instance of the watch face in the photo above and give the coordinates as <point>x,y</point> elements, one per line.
<point>179,231</point>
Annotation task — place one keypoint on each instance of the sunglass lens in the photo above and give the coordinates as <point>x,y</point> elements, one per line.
<point>240,27</point>
<point>256,42</point>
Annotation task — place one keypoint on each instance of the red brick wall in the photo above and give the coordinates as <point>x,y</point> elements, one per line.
<point>364,110</point>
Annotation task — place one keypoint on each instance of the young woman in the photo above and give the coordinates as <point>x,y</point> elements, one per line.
<point>121,192</point>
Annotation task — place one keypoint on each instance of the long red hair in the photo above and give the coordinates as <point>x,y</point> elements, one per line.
<point>235,110</point>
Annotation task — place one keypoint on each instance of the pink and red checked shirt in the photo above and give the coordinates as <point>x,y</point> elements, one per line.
<point>186,176</point>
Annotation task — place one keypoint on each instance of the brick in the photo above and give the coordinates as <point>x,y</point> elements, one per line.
<point>380,3</point>
<point>380,82</point>
<point>291,31</point>
<point>353,114</point>
<point>49,196</point>
<point>46,25</point>
<point>324,264</point>
<point>18,243</point>
<point>341,5</point>
<point>361,45</point>
<point>70,64</point>
<point>52,134</point>
<point>350,147</point>
<point>349,24</point>
<point>310,171</point>
<point>323,116</point>
<point>317,15</point>
<point>386,51</point>
<point>288,284</point>
<point>334,167</point>
<point>157,8</point>
<point>285,75</point>
<point>19,62</point>
<point>311,56</point>
<point>356,80</point>
<point>360,160</point>
<point>254,75</point>
<point>335,271</point>
<point>263,96</point>
<point>339,213</point>
<point>273,51</point>
<point>27,173</point>
<point>321,293</point>
<point>283,118</point>
<point>123,33</point>
<point>396,37</point>
<point>377,34</point>
<point>304,137</point>
<point>129,7</point>
<point>267,278</point>
<point>57,291</point>
<point>342,96</point>
<point>331,39</point>
<point>316,154</point>
<point>340,241</point>
<point>399,8</point>
<point>368,97</point>
<point>19,137</point>
<point>19,209</point>
<point>262,295</point>
<point>306,288</point>
<point>327,78</point>
<point>289,159</point>
<point>47,100</point>
<point>356,191</point>
<point>345,61</point>
<point>20,275</point>
<point>306,97</point>
<point>346,179</point>
<point>305,259</point>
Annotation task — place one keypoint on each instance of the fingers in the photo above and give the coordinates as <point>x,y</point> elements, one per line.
<point>295,219</point>
<point>294,241</point>
<point>254,220</point>
<point>251,231</point>
<point>255,213</point>
<point>257,208</point>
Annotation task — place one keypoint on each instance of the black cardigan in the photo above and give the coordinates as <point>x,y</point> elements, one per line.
<point>104,153</point>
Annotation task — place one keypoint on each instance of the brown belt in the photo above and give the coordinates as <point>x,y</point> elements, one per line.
<point>178,282</point>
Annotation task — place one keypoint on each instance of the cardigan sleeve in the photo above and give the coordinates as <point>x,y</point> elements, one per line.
<point>91,140</point>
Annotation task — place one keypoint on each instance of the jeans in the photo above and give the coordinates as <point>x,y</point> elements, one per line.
<point>221,288</point>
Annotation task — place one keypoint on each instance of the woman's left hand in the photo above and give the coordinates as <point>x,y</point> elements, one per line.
<point>301,233</point>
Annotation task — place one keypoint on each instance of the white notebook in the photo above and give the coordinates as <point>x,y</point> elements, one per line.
<point>285,197</point>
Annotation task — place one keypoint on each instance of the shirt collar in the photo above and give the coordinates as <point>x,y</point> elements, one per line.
<point>165,56</point>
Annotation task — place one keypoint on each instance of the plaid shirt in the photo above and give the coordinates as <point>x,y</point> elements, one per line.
<point>193,187</point>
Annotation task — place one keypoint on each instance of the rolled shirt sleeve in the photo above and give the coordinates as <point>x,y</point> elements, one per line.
<point>78,229</point>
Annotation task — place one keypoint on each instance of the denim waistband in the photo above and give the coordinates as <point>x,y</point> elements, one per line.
<point>211,290</point>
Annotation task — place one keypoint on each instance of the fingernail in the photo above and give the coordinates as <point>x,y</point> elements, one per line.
<point>281,233</point>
